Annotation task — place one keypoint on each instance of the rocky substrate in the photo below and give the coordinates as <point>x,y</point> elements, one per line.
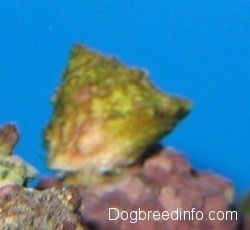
<point>164,183</point>
<point>26,209</point>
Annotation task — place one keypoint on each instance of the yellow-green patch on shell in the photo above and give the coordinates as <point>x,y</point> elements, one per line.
<point>13,170</point>
<point>106,114</point>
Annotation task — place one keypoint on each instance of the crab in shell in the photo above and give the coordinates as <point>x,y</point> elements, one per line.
<point>106,114</point>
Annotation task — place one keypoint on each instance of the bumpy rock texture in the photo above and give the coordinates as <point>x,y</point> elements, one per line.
<point>106,115</point>
<point>165,181</point>
<point>27,209</point>
<point>51,209</point>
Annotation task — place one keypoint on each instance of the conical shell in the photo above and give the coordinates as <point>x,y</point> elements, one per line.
<point>106,114</point>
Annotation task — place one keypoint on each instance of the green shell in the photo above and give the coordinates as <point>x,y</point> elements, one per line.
<point>106,114</point>
<point>13,170</point>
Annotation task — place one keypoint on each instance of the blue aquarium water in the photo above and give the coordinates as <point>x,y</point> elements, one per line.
<point>198,49</point>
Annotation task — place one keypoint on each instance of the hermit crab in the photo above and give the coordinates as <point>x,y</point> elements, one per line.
<point>106,114</point>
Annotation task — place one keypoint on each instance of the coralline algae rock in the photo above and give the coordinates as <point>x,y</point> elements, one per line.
<point>106,115</point>
<point>52,209</point>
<point>163,182</point>
<point>28,209</point>
<point>13,170</point>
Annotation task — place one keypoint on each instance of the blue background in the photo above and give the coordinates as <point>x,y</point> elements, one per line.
<point>198,49</point>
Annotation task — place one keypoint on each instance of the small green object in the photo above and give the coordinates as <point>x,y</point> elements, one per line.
<point>106,114</point>
<point>13,170</point>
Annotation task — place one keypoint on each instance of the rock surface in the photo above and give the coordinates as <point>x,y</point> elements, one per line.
<point>25,209</point>
<point>163,182</point>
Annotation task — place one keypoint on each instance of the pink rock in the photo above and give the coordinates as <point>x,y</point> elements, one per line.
<point>134,188</point>
<point>246,223</point>
<point>192,197</point>
<point>163,184</point>
<point>169,199</point>
<point>8,189</point>
<point>158,168</point>
<point>212,184</point>
<point>45,183</point>
<point>97,211</point>
<point>180,164</point>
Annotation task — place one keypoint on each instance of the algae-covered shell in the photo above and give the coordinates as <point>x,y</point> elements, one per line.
<point>106,114</point>
<point>13,170</point>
